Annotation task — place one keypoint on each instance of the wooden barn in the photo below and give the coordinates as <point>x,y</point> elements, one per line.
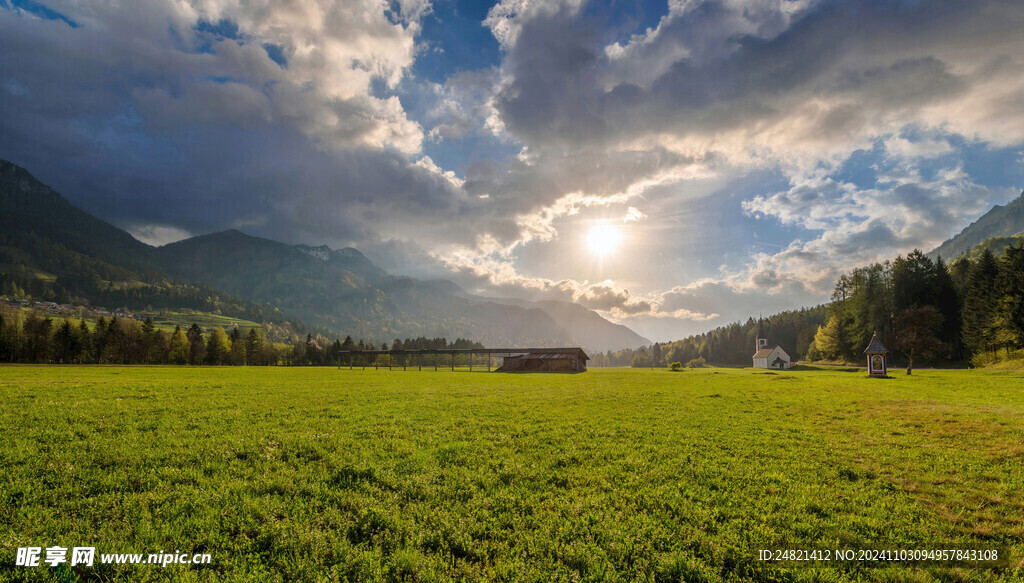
<point>550,360</point>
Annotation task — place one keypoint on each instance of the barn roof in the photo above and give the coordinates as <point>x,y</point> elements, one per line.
<point>553,355</point>
<point>875,346</point>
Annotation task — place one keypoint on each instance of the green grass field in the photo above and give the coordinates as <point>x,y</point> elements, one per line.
<point>204,320</point>
<point>291,474</point>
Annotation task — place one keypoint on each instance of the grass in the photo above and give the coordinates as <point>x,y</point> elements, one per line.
<point>290,474</point>
<point>1013,364</point>
<point>169,321</point>
<point>204,320</point>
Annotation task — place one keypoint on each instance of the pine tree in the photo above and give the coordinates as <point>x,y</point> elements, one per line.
<point>947,301</point>
<point>218,348</point>
<point>65,343</point>
<point>253,347</point>
<point>980,300</point>
<point>85,344</point>
<point>237,346</point>
<point>912,281</point>
<point>1011,296</point>
<point>197,345</point>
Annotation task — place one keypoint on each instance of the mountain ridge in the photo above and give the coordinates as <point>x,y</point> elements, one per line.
<point>340,291</point>
<point>1000,221</point>
<point>322,287</point>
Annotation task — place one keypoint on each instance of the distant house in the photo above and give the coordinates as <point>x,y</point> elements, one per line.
<point>567,360</point>
<point>769,357</point>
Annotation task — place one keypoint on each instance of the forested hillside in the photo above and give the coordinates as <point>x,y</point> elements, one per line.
<point>924,310</point>
<point>1000,221</point>
<point>53,251</point>
<point>972,310</point>
<point>732,344</point>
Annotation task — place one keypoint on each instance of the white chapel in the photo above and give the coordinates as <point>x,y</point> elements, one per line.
<point>769,357</point>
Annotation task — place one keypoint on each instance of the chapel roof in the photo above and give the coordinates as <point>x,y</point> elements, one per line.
<point>876,346</point>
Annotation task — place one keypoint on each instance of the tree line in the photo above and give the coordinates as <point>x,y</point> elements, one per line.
<point>732,344</point>
<point>29,337</point>
<point>317,351</point>
<point>971,310</point>
<point>32,338</point>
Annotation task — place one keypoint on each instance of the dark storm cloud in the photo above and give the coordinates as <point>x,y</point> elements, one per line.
<point>144,116</point>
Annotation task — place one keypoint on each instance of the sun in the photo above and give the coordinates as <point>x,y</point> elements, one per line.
<point>603,239</point>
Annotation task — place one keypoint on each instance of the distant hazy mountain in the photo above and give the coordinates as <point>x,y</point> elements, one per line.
<point>343,291</point>
<point>55,250</point>
<point>1000,221</point>
<point>593,331</point>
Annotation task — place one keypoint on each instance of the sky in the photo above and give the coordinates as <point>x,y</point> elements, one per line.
<point>676,166</point>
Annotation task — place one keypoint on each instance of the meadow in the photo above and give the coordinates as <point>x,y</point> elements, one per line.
<point>320,474</point>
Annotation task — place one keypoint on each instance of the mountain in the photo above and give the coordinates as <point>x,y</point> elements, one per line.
<point>30,209</point>
<point>53,250</point>
<point>1000,221</point>
<point>597,333</point>
<point>345,292</point>
<point>348,259</point>
<point>309,285</point>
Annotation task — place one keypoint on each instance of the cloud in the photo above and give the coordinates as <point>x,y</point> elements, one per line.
<point>507,18</point>
<point>307,121</point>
<point>176,114</point>
<point>463,104</point>
<point>903,148</point>
<point>903,212</point>
<point>633,214</point>
<point>156,235</point>
<point>165,60</point>
<point>788,82</point>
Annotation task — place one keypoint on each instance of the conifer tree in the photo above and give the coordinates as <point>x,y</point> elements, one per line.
<point>197,345</point>
<point>947,301</point>
<point>253,347</point>
<point>237,346</point>
<point>980,299</point>
<point>1011,296</point>
<point>85,343</point>
<point>218,348</point>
